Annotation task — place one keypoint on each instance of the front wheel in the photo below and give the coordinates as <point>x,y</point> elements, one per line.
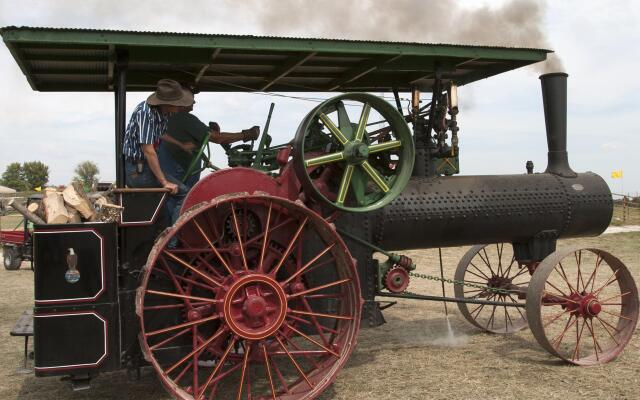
<point>12,259</point>
<point>491,272</point>
<point>582,305</point>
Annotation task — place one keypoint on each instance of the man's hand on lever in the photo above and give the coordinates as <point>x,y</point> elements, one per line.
<point>251,134</point>
<point>230,137</point>
<point>172,187</point>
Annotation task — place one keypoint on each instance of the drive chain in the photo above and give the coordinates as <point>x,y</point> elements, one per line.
<point>457,282</point>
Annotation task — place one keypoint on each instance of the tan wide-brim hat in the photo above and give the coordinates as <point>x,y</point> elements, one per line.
<point>171,93</point>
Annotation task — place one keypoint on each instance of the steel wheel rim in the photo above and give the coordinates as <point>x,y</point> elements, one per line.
<point>479,267</point>
<point>284,341</point>
<point>600,312</point>
<point>355,156</point>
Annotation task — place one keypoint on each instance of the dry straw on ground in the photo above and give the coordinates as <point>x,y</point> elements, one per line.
<point>406,358</point>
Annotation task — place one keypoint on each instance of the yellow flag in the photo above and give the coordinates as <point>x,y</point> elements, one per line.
<point>617,174</point>
<point>38,189</point>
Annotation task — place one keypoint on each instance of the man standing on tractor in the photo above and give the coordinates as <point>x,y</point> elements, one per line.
<point>148,122</point>
<point>185,134</point>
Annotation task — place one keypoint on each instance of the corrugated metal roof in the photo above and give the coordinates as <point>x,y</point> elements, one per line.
<point>63,59</point>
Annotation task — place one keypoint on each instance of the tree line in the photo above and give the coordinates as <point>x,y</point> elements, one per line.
<point>35,174</point>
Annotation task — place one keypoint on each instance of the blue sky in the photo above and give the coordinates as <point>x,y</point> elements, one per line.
<point>501,119</point>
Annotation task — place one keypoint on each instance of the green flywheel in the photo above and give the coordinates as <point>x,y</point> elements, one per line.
<point>355,167</point>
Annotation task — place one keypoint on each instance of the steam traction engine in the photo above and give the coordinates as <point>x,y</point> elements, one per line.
<point>273,273</point>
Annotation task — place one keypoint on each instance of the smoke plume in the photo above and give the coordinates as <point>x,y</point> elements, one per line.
<point>517,23</point>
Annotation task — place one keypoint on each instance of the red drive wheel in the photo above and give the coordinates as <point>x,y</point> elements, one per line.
<point>260,299</point>
<point>582,305</point>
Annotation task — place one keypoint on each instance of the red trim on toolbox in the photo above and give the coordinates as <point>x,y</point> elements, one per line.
<point>105,352</point>
<point>142,223</point>
<point>102,267</point>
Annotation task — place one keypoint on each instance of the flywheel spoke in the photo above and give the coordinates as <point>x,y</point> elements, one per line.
<point>375,176</point>
<point>384,146</point>
<point>324,159</point>
<point>344,184</point>
<point>362,124</point>
<point>333,129</point>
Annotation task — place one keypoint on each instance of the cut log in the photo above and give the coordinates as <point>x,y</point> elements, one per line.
<point>37,208</point>
<point>74,196</point>
<point>100,201</point>
<point>74,215</point>
<point>25,212</point>
<point>54,209</point>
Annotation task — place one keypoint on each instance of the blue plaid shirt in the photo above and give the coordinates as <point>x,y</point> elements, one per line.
<point>146,126</point>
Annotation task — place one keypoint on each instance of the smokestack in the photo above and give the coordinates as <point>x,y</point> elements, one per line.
<point>554,98</point>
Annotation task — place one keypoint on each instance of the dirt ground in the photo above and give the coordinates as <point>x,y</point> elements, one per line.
<point>410,357</point>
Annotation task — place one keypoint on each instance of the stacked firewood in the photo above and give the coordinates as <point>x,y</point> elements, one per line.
<point>69,206</point>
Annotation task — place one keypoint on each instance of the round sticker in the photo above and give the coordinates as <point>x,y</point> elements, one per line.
<point>72,275</point>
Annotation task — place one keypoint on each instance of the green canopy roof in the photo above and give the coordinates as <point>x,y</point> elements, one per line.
<point>84,60</point>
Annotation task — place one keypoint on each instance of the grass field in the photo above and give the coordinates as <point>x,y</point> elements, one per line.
<point>10,221</point>
<point>412,356</point>
<point>626,216</point>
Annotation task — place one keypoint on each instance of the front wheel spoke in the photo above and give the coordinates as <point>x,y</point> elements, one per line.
<point>266,238</point>
<point>558,339</point>
<point>180,326</point>
<point>236,228</point>
<point>298,351</point>
<point>486,261</point>
<point>345,317</point>
<point>576,352</point>
<point>344,184</point>
<point>172,306</point>
<point>362,124</point>
<point>554,318</point>
<point>244,371</point>
<point>614,297</point>
<point>218,366</point>
<point>608,281</point>
<point>596,345</point>
<point>517,308</point>
<point>312,340</point>
<point>169,339</point>
<point>479,270</point>
<point>333,128</point>
<point>289,247</point>
<point>195,351</point>
<point>599,260</point>
<point>491,318</point>
<point>604,325</point>
<point>379,147</point>
<point>565,296</point>
<point>213,248</point>
<point>563,275</point>
<point>268,369</point>
<point>294,362</point>
<point>308,264</point>
<point>617,315</point>
<point>375,176</point>
<point>476,275</point>
<point>182,296</point>
<point>324,159</point>
<point>315,289</point>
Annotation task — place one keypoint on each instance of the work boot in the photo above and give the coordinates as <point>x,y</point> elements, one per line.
<point>251,133</point>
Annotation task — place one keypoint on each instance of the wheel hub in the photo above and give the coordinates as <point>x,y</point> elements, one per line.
<point>584,305</point>
<point>499,282</point>
<point>254,306</point>
<point>356,152</point>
